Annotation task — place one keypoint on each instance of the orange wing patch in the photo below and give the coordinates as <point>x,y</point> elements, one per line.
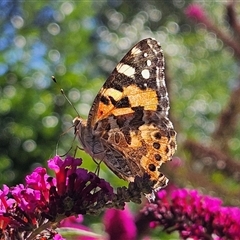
<point>119,103</point>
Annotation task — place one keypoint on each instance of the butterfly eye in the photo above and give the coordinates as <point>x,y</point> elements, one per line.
<point>76,121</point>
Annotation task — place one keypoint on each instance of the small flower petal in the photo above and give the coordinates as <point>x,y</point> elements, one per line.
<point>120,224</point>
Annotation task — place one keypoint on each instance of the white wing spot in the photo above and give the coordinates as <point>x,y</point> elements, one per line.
<point>145,54</point>
<point>149,63</point>
<point>136,51</point>
<point>158,83</point>
<point>145,73</point>
<point>158,78</point>
<point>126,70</point>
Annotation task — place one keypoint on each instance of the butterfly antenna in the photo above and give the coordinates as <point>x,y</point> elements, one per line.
<point>54,79</point>
<point>57,145</point>
<point>65,96</point>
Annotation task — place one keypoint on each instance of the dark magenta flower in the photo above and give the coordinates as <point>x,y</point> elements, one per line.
<point>29,209</point>
<point>119,224</point>
<point>193,215</point>
<point>33,210</point>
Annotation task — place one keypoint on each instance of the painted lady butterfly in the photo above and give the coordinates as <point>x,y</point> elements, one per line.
<point>128,126</point>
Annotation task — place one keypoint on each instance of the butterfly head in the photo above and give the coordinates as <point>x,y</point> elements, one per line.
<point>78,124</point>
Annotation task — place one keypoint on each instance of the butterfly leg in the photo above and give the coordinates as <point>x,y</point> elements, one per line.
<point>97,171</point>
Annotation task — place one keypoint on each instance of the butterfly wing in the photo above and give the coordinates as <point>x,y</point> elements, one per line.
<point>137,81</point>
<point>137,143</point>
<point>130,115</point>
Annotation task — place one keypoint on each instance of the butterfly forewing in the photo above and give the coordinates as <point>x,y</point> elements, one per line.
<point>137,80</point>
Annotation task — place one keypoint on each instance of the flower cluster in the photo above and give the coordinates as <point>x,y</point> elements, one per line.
<point>33,210</point>
<point>193,215</point>
<point>46,200</point>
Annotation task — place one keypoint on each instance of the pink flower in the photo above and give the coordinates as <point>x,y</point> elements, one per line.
<point>193,215</point>
<point>195,11</point>
<point>58,237</point>
<point>47,200</point>
<point>119,224</point>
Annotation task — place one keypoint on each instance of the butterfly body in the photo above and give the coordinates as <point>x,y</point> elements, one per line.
<point>128,126</point>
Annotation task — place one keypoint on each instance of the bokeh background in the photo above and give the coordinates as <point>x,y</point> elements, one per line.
<point>80,42</point>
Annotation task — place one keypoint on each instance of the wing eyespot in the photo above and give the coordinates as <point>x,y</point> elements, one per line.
<point>157,135</point>
<point>157,157</point>
<point>152,167</point>
<point>156,145</point>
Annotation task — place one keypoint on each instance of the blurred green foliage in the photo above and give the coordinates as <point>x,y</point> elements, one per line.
<point>80,42</point>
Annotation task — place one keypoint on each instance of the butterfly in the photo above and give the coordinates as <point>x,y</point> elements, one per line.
<point>128,127</point>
